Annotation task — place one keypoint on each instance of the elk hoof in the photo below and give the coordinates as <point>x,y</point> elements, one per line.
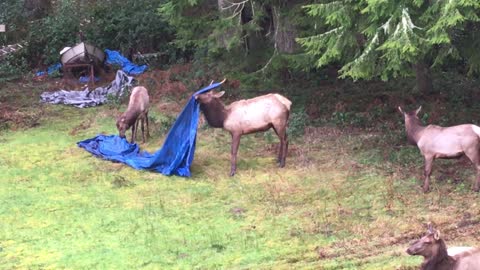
<point>426,189</point>
<point>476,189</point>
<point>232,173</point>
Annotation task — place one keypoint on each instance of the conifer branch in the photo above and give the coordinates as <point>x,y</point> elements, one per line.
<point>269,61</point>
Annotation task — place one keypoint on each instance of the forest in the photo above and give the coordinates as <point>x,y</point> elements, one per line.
<point>353,191</point>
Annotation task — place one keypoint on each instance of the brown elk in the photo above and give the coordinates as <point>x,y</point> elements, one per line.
<point>438,257</point>
<point>248,116</point>
<point>137,111</point>
<point>443,142</point>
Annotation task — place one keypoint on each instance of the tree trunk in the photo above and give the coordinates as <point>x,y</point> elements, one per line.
<point>36,9</point>
<point>226,9</point>
<point>285,32</point>
<point>424,79</point>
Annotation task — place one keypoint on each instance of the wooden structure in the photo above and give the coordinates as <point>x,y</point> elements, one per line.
<point>82,55</point>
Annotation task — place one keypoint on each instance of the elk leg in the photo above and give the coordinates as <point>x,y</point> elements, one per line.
<point>280,150</point>
<point>285,150</point>
<point>282,135</point>
<point>136,128</point>
<point>133,132</point>
<point>476,185</point>
<point>427,173</point>
<point>148,128</point>
<point>474,158</point>
<point>143,129</point>
<point>233,160</point>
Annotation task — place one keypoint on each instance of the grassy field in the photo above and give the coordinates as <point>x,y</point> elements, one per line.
<point>347,199</point>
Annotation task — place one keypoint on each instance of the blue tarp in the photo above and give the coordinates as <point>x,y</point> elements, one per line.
<point>176,154</point>
<point>50,70</point>
<point>115,58</point>
<point>86,79</point>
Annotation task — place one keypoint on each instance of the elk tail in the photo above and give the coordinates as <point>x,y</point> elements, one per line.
<point>476,129</point>
<point>287,102</point>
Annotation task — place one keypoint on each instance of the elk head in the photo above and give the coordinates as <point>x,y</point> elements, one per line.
<point>428,245</point>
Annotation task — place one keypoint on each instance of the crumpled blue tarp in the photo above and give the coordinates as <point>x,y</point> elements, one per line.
<point>176,154</point>
<point>115,58</point>
<point>50,70</point>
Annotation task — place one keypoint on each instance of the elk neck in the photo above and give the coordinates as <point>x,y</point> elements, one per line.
<point>440,259</point>
<point>131,116</point>
<point>215,113</point>
<point>414,128</point>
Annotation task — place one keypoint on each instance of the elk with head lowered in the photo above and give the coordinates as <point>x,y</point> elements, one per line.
<point>137,111</point>
<point>248,116</point>
<point>443,142</point>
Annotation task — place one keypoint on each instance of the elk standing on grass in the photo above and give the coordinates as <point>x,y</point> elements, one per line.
<point>438,257</point>
<point>137,111</point>
<point>443,142</point>
<point>248,116</point>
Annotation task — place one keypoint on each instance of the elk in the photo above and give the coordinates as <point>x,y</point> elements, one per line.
<point>443,142</point>
<point>437,257</point>
<point>248,116</point>
<point>137,111</point>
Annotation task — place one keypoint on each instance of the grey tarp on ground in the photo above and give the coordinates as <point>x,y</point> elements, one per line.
<point>89,98</point>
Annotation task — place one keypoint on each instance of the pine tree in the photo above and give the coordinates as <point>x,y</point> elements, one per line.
<point>236,25</point>
<point>377,38</point>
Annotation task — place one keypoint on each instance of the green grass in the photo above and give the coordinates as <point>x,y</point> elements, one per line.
<point>340,203</point>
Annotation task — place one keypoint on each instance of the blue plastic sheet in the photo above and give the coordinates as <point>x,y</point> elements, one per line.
<point>176,154</point>
<point>115,58</point>
<point>86,79</point>
<point>50,70</point>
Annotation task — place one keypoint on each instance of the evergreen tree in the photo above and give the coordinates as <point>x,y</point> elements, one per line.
<point>377,38</point>
<point>237,26</point>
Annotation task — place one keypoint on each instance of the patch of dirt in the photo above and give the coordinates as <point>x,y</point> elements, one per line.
<point>177,83</point>
<point>162,83</point>
<point>121,182</point>
<point>170,108</point>
<point>82,126</point>
<point>15,117</point>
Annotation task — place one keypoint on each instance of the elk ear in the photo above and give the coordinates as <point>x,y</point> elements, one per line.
<point>219,94</point>
<point>418,110</point>
<point>430,228</point>
<point>436,235</point>
<point>400,110</point>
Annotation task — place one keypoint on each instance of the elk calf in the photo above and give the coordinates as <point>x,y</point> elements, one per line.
<point>443,142</point>
<point>137,111</point>
<point>248,116</point>
<point>438,257</point>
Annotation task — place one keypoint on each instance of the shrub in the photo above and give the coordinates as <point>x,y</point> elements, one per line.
<point>13,66</point>
<point>296,125</point>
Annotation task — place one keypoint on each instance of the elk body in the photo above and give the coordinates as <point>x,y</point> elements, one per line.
<point>443,142</point>
<point>438,257</point>
<point>137,111</point>
<point>248,116</point>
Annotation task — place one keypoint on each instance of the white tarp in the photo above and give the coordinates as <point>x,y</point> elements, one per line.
<point>90,98</point>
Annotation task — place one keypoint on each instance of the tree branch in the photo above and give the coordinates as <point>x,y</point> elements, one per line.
<point>237,7</point>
